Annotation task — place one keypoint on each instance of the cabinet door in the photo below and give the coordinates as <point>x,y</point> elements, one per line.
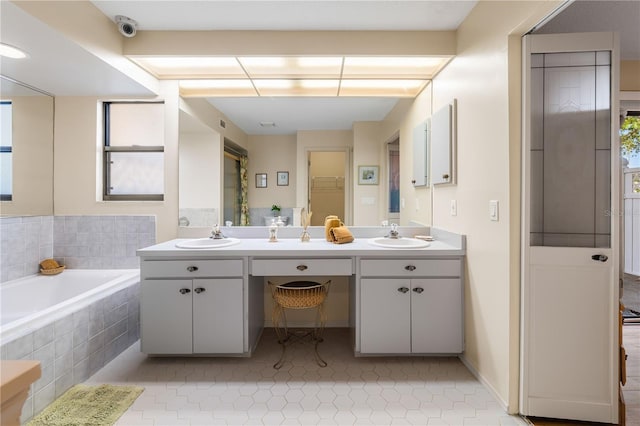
<point>436,316</point>
<point>384,316</point>
<point>165,317</point>
<point>218,316</point>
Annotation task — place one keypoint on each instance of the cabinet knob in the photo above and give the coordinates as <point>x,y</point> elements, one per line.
<point>199,290</point>
<point>418,290</point>
<point>413,181</point>
<point>302,267</point>
<point>192,268</point>
<point>410,268</point>
<point>403,289</point>
<point>185,291</point>
<point>445,176</point>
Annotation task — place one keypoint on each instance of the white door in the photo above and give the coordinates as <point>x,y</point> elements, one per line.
<point>569,364</point>
<point>218,316</point>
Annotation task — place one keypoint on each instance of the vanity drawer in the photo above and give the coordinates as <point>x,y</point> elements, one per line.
<point>299,267</point>
<point>191,268</point>
<point>410,268</point>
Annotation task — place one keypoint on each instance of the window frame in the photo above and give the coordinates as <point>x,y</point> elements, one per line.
<point>107,149</point>
<point>7,149</point>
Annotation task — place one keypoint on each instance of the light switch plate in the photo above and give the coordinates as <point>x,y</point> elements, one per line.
<point>454,207</point>
<point>493,210</point>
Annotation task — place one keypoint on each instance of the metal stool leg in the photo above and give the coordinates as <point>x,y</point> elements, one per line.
<point>321,320</point>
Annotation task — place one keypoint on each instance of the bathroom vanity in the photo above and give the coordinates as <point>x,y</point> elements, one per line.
<point>211,301</point>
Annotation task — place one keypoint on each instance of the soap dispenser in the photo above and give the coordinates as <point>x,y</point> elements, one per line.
<point>273,231</point>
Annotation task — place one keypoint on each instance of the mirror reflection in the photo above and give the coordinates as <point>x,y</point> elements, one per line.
<point>26,150</point>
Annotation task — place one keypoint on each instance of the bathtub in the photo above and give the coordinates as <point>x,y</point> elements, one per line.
<point>29,302</point>
<point>74,323</point>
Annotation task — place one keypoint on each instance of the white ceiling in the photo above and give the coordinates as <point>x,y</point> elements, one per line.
<point>56,64</point>
<point>329,15</point>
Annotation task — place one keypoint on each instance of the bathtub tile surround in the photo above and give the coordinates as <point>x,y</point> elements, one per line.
<point>101,242</point>
<point>79,242</point>
<point>74,347</point>
<point>24,241</point>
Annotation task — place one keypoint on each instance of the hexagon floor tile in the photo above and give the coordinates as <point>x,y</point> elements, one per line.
<point>349,391</point>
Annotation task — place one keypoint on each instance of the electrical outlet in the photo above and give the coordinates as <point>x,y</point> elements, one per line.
<point>493,210</point>
<point>454,208</point>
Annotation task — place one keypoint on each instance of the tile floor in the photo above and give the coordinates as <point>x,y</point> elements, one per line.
<point>631,390</point>
<point>248,391</point>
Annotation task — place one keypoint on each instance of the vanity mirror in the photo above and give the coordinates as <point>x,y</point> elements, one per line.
<point>26,153</point>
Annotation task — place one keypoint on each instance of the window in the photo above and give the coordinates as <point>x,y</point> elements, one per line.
<point>6,151</point>
<point>133,151</point>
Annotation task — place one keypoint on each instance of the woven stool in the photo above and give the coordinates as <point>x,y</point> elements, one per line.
<point>299,295</point>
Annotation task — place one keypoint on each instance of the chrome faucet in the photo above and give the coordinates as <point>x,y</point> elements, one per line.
<point>393,233</point>
<point>216,234</point>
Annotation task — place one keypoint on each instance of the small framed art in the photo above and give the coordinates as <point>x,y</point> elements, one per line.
<point>283,179</point>
<point>368,175</point>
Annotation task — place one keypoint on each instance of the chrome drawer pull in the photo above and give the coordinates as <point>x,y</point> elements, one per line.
<point>184,291</point>
<point>403,289</point>
<point>410,268</point>
<point>302,267</point>
<point>192,268</point>
<point>199,290</point>
<point>418,290</point>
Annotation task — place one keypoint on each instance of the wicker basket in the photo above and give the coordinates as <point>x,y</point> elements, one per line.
<point>299,294</point>
<point>53,271</point>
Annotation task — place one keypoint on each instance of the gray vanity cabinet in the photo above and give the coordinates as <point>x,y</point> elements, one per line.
<point>200,311</point>
<point>400,314</point>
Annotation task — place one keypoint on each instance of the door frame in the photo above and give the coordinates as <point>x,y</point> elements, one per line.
<point>348,173</point>
<point>550,43</point>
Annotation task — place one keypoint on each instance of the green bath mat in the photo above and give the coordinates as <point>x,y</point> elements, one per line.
<point>88,405</point>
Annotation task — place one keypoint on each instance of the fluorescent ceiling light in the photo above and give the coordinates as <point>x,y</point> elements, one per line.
<point>13,52</point>
<point>403,76</point>
<point>187,66</point>
<point>292,66</point>
<point>400,88</point>
<point>217,87</point>
<point>292,87</point>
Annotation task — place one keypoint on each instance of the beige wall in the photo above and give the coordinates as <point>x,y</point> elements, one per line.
<point>630,76</point>
<point>485,80</point>
<point>272,154</point>
<point>77,166</point>
<point>32,139</point>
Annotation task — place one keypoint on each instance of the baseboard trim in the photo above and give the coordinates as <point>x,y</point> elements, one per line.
<point>481,379</point>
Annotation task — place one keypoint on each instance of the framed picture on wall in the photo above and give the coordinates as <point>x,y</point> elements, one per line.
<point>283,179</point>
<point>261,180</point>
<point>368,175</point>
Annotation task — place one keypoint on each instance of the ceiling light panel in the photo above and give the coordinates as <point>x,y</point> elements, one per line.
<point>183,67</point>
<point>291,87</point>
<point>415,67</point>
<point>8,51</point>
<point>398,88</point>
<point>292,66</point>
<point>218,87</point>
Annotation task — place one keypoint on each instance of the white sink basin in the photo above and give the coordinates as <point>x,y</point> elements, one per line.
<point>207,243</point>
<point>399,243</point>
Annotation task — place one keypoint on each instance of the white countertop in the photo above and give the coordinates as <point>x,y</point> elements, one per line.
<point>293,247</point>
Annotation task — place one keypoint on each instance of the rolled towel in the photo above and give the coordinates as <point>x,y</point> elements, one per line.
<point>341,235</point>
<point>331,221</point>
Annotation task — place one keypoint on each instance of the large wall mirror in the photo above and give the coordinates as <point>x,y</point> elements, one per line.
<point>26,150</point>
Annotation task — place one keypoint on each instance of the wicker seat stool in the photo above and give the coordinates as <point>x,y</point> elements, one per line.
<point>299,295</point>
